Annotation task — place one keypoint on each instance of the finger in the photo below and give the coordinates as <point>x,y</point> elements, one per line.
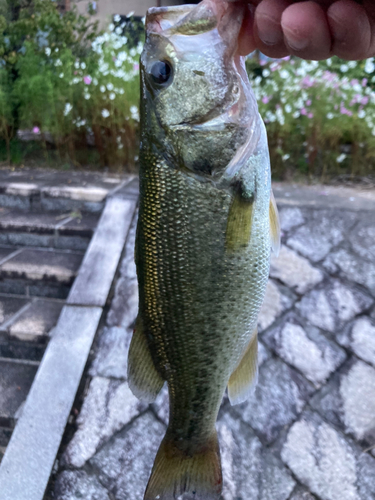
<point>246,41</point>
<point>268,34</point>
<point>351,29</point>
<point>306,30</point>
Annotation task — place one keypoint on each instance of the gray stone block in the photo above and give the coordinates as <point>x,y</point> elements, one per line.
<point>124,464</point>
<point>301,493</point>
<point>75,485</point>
<point>5,252</point>
<point>305,348</point>
<point>15,383</point>
<point>332,305</point>
<point>323,230</point>
<point>17,202</point>
<point>250,471</point>
<point>279,398</point>
<point>290,217</point>
<point>294,271</point>
<point>31,452</point>
<point>359,337</point>
<point>348,401</point>
<point>362,237</point>
<point>277,300</point>
<point>18,350</point>
<point>331,466</point>
<point>108,407</point>
<point>348,266</point>
<point>36,321</point>
<point>92,286</point>
<point>111,357</point>
<point>83,225</point>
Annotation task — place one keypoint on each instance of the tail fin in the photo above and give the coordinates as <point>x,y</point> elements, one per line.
<point>178,476</point>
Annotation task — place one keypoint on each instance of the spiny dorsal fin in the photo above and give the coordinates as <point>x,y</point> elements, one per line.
<point>274,226</point>
<point>244,378</point>
<point>240,219</point>
<point>144,381</point>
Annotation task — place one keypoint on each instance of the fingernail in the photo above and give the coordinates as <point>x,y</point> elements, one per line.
<point>269,30</point>
<point>295,42</point>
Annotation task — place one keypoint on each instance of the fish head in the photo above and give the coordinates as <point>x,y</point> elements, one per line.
<point>197,107</point>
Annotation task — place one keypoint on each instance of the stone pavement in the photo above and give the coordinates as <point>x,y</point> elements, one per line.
<point>308,432</point>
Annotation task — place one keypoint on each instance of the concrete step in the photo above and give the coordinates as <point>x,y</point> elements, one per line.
<point>38,272</point>
<point>50,191</point>
<point>71,231</point>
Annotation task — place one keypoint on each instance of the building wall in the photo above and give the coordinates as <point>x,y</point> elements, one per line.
<point>107,8</point>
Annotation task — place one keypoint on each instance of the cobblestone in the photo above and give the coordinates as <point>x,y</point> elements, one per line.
<point>302,434</point>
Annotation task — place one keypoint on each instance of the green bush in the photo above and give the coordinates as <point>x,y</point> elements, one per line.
<point>320,116</point>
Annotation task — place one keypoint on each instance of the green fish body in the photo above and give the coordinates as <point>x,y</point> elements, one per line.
<point>207,222</point>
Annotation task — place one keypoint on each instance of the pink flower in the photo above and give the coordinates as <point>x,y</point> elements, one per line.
<point>135,67</point>
<point>308,103</point>
<point>310,115</point>
<point>87,79</point>
<point>265,100</point>
<point>304,111</point>
<point>345,111</point>
<point>365,101</point>
<point>354,82</point>
<point>36,130</point>
<point>364,82</point>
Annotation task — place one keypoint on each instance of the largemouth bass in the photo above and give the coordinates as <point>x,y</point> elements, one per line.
<point>207,222</point>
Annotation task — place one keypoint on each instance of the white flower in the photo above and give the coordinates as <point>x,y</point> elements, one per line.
<point>68,108</point>
<point>361,113</point>
<point>296,114</point>
<point>133,52</point>
<point>58,62</point>
<point>61,75</point>
<point>47,50</point>
<point>76,65</point>
<point>87,96</point>
<point>330,116</point>
<point>134,112</point>
<point>352,64</point>
<point>344,68</point>
<point>81,123</point>
<point>116,18</point>
<point>121,91</point>
<point>341,158</point>
<point>76,80</point>
<point>370,66</point>
<point>143,19</point>
<point>285,157</point>
<point>118,30</point>
<point>112,96</point>
<point>131,14</point>
<point>110,86</point>
<point>284,74</point>
<point>95,81</point>
<point>288,108</point>
<point>258,80</point>
<point>329,62</point>
<point>111,27</point>
<point>105,113</point>
<point>83,65</point>
<point>102,88</point>
<point>266,73</point>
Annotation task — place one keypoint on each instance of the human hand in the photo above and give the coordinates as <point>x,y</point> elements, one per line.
<point>314,29</point>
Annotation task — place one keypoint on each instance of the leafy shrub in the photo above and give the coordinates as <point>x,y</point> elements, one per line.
<point>320,116</point>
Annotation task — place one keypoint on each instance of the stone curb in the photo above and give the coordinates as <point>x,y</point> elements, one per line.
<point>30,455</point>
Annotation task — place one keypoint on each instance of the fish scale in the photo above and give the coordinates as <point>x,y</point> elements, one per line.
<point>207,222</point>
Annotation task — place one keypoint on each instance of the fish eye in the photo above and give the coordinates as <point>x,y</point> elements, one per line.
<point>161,73</point>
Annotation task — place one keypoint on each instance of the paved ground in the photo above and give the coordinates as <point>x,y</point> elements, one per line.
<point>309,430</point>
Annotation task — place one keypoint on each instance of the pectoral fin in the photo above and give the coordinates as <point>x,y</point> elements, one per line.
<point>239,223</point>
<point>244,378</point>
<point>144,380</point>
<point>274,226</point>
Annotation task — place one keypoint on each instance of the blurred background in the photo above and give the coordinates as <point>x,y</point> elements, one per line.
<point>69,95</point>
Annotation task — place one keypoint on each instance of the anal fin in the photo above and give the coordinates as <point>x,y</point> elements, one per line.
<point>274,226</point>
<point>144,380</point>
<point>244,378</point>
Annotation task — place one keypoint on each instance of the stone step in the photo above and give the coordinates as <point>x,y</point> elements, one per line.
<point>38,190</point>
<point>71,231</point>
<point>38,272</point>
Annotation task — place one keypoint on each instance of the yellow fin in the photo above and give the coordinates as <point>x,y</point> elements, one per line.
<point>144,381</point>
<point>239,223</point>
<point>243,380</point>
<point>274,226</point>
<point>176,474</point>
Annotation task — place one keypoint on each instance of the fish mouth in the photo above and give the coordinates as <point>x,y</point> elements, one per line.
<point>213,120</point>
